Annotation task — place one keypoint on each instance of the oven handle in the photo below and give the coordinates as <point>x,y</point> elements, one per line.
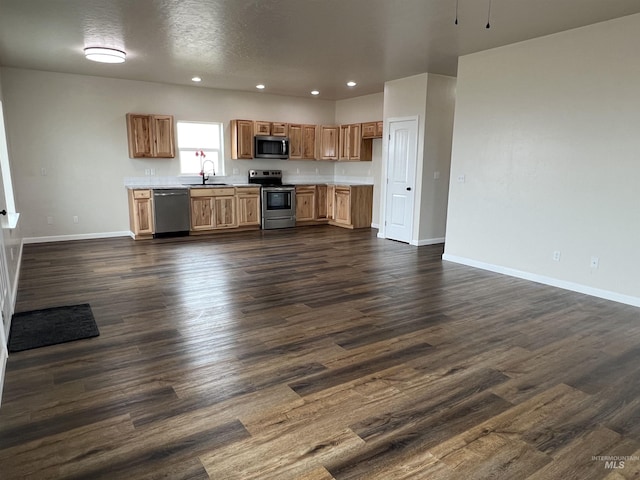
<point>279,189</point>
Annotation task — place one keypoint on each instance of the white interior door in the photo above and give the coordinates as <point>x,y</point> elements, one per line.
<point>401,179</point>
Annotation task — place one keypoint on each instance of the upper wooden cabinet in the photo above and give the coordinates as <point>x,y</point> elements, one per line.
<point>329,142</point>
<point>241,139</point>
<point>302,142</point>
<point>150,136</point>
<point>353,147</point>
<point>372,130</point>
<point>274,129</point>
<point>262,128</point>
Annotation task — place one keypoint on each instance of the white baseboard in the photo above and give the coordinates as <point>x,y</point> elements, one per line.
<point>427,241</point>
<point>375,225</point>
<point>81,236</point>
<point>554,282</point>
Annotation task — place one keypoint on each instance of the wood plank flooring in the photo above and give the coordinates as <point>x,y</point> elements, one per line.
<point>315,353</point>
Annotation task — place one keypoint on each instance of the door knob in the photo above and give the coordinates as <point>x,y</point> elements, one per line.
<point>408,189</point>
<point>3,212</point>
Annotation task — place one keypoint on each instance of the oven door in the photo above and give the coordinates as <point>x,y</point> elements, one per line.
<point>278,207</point>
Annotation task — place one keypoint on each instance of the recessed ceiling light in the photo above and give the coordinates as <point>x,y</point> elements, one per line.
<point>260,86</point>
<point>104,55</point>
<point>315,92</point>
<point>196,79</point>
<point>351,84</point>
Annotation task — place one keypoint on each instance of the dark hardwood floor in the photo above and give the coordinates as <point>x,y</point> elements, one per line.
<point>315,353</point>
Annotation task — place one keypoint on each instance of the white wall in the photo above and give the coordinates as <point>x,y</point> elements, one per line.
<point>367,108</point>
<point>73,127</point>
<point>547,135</point>
<point>431,98</point>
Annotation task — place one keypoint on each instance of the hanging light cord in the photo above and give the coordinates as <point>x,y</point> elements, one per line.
<point>456,22</point>
<point>489,16</point>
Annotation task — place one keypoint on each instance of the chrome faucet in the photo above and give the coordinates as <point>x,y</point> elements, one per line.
<point>204,177</point>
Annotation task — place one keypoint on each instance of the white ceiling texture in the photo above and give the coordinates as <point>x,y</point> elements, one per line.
<point>291,46</point>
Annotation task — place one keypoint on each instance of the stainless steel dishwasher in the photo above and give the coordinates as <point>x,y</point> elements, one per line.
<point>171,212</point>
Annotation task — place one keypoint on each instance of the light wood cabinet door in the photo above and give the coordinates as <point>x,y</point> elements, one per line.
<point>309,142</point>
<point>321,202</point>
<point>248,206</point>
<point>201,213</point>
<point>355,141</point>
<point>379,129</point>
<point>224,212</point>
<point>163,145</point>
<point>241,139</point>
<point>369,130</point>
<point>295,141</point>
<point>305,203</point>
<point>342,206</point>
<point>279,129</point>
<point>329,142</point>
<point>150,136</point>
<point>344,143</point>
<point>331,193</point>
<point>139,135</point>
<point>262,128</point>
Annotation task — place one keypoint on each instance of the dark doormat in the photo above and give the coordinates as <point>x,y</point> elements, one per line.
<point>41,328</point>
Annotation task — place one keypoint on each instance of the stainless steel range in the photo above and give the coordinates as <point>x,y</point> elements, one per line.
<point>278,200</point>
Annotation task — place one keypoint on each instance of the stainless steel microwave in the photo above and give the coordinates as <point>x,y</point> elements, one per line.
<point>271,147</point>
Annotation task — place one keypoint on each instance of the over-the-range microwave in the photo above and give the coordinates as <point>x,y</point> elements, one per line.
<point>271,147</point>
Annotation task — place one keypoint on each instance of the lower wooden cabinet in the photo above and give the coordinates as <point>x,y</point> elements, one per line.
<point>212,208</point>
<point>248,206</point>
<point>352,206</point>
<point>140,213</point>
<point>305,203</point>
<point>321,201</point>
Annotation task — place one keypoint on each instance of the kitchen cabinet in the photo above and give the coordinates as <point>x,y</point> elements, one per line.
<point>352,146</point>
<point>352,206</point>
<point>305,203</point>
<point>321,202</point>
<point>302,142</point>
<point>329,142</point>
<point>212,208</point>
<point>140,213</point>
<point>242,139</point>
<point>279,129</point>
<point>372,130</point>
<point>331,193</point>
<point>150,136</point>
<point>248,202</point>
<point>262,128</point>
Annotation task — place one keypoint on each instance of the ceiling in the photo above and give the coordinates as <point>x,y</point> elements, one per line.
<point>291,46</point>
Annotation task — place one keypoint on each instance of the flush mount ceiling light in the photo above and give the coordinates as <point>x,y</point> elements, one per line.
<point>315,92</point>
<point>196,79</point>
<point>105,55</point>
<point>260,86</point>
<point>351,84</point>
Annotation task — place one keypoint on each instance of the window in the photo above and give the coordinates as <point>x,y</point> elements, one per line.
<point>196,137</point>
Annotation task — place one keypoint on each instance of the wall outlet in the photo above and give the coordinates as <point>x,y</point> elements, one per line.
<point>43,172</point>
<point>49,220</point>
<point>595,261</point>
<point>75,219</point>
<point>461,178</point>
<point>236,171</point>
<point>147,171</point>
<point>436,175</point>
<point>153,171</point>
<point>556,256</point>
